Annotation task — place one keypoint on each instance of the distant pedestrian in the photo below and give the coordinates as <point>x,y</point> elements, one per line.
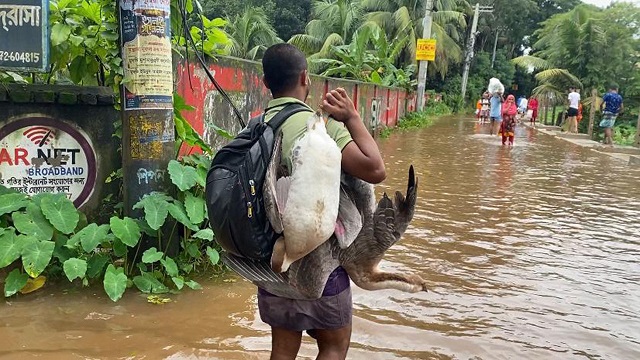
<point>572,112</point>
<point>485,107</point>
<point>522,105</point>
<point>611,107</point>
<point>508,125</point>
<point>495,112</point>
<point>533,106</point>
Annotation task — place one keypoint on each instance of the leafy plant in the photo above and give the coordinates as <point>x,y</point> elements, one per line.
<point>47,234</point>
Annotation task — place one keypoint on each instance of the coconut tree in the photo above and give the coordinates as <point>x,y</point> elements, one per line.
<point>334,23</point>
<point>397,16</point>
<point>571,48</point>
<point>251,34</point>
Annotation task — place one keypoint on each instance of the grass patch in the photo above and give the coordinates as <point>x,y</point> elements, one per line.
<point>418,119</point>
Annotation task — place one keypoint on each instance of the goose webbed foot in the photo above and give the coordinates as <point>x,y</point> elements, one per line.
<point>385,280</point>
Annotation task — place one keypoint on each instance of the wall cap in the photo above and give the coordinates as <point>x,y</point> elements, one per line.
<point>57,94</point>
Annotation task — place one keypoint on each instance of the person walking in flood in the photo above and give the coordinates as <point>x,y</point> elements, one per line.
<point>572,112</point>
<point>533,106</point>
<point>495,112</point>
<point>508,124</point>
<point>611,106</point>
<point>327,319</point>
<point>484,108</point>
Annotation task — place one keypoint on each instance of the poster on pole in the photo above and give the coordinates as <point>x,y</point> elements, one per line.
<point>426,50</point>
<point>145,30</point>
<point>24,40</point>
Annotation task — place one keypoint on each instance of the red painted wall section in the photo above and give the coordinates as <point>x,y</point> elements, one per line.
<point>242,80</point>
<point>366,94</point>
<point>392,108</point>
<point>316,92</point>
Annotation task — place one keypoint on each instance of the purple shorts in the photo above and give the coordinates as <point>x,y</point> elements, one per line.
<point>332,311</point>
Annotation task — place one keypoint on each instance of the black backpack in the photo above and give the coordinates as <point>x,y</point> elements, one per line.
<point>234,188</point>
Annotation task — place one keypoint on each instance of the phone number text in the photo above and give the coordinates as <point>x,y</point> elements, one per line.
<point>23,57</point>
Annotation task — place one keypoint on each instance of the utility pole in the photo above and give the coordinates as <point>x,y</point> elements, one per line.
<point>495,45</point>
<point>148,133</point>
<point>638,132</point>
<point>422,70</point>
<point>592,112</point>
<point>470,45</point>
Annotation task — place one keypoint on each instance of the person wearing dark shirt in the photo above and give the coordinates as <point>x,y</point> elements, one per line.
<point>611,106</point>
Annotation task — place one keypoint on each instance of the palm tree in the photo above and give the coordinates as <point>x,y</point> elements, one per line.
<point>397,16</point>
<point>251,34</point>
<point>334,23</point>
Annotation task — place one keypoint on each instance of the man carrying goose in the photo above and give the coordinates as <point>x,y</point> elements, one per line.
<point>323,167</point>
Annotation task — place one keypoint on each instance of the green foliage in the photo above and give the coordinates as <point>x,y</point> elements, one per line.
<point>251,34</point>
<point>419,119</point>
<point>84,42</point>
<point>567,43</point>
<point>47,234</point>
<point>370,57</point>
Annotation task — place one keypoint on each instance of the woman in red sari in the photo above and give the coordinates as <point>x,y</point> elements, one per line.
<point>533,106</point>
<point>508,124</point>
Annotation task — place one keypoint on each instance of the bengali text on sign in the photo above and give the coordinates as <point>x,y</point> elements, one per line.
<point>426,50</point>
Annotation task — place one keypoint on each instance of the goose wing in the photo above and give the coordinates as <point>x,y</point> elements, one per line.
<point>269,192</point>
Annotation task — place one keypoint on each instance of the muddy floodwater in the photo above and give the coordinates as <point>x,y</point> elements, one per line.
<point>531,252</point>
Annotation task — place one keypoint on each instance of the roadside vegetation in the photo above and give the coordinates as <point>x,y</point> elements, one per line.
<point>535,47</point>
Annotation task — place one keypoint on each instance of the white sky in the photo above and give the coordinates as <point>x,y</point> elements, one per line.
<point>604,3</point>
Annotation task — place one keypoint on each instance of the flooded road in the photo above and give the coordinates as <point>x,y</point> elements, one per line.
<point>531,253</point>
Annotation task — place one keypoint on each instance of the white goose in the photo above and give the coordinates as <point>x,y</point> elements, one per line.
<point>308,200</point>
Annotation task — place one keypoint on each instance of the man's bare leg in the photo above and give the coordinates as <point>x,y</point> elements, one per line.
<point>285,343</point>
<point>333,344</point>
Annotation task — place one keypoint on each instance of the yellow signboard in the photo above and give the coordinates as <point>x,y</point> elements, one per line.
<point>426,50</point>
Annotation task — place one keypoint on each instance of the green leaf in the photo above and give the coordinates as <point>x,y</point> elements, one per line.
<point>151,255</point>
<point>36,256</point>
<point>60,33</point>
<point>149,284</point>
<point>204,234</point>
<point>156,209</point>
<point>12,202</point>
<point>195,207</point>
<point>179,281</point>
<point>184,177</point>
<point>10,248</point>
<point>33,223</point>
<point>194,250</point>
<point>201,176</point>
<point>60,212</point>
<point>178,212</point>
<point>75,268</point>
<point>115,282</point>
<point>170,266</point>
<point>92,236</point>
<point>193,285</point>
<point>96,264</point>
<point>14,282</point>
<point>126,230</point>
<point>62,252</point>
<point>119,248</point>
<point>214,256</point>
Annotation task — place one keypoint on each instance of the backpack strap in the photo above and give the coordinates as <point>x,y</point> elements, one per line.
<point>282,115</point>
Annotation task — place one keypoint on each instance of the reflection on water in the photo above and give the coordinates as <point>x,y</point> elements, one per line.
<point>531,252</point>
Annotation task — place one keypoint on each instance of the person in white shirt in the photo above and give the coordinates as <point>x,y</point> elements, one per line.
<point>572,113</point>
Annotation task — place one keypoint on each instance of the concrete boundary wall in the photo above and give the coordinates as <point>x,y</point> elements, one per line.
<point>379,106</point>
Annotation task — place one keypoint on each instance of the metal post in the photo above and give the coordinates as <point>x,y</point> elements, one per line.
<point>638,132</point>
<point>422,70</point>
<point>469,52</point>
<point>148,134</point>
<point>495,45</point>
<point>592,112</point>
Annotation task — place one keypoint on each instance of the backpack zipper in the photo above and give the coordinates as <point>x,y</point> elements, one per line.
<point>248,193</point>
